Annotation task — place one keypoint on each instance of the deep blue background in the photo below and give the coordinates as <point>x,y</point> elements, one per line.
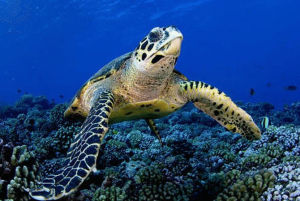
<point>51,47</point>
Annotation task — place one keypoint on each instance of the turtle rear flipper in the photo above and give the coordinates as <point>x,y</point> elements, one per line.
<point>154,129</point>
<point>82,155</point>
<point>220,107</point>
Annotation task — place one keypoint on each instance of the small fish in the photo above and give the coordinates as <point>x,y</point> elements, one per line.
<point>291,88</point>
<point>265,123</point>
<point>269,84</point>
<point>252,92</point>
<point>19,91</point>
<point>61,96</point>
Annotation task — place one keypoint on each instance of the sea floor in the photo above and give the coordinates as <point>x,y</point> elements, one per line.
<point>199,160</point>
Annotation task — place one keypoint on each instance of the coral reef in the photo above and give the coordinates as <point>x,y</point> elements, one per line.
<point>153,185</point>
<point>18,170</point>
<point>288,183</point>
<point>24,105</point>
<point>110,194</point>
<point>199,160</point>
<point>250,188</point>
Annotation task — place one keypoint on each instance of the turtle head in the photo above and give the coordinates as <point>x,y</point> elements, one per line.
<point>157,53</point>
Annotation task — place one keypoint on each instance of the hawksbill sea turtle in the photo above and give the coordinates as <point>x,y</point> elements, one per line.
<point>142,84</point>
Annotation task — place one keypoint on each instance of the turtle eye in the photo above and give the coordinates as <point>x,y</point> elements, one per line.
<point>155,36</point>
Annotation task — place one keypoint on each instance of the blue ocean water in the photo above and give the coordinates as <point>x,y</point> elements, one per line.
<point>52,47</point>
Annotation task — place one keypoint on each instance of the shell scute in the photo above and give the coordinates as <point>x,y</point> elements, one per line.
<point>75,109</point>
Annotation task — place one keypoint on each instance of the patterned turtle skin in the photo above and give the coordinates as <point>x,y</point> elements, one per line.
<point>142,84</point>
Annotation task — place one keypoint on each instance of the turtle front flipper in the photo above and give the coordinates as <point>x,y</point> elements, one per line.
<point>83,153</point>
<point>154,129</point>
<point>220,107</point>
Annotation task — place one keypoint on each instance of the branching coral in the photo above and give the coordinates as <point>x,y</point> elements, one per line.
<point>287,187</point>
<point>250,188</point>
<point>57,114</point>
<point>154,186</point>
<point>63,138</point>
<point>22,174</point>
<point>264,156</point>
<point>112,193</point>
<point>25,173</point>
<point>113,152</point>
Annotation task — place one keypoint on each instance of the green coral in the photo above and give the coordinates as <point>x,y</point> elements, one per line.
<point>57,114</point>
<point>63,137</point>
<point>225,154</point>
<point>116,144</point>
<point>205,147</point>
<point>178,165</point>
<point>135,138</point>
<point>25,173</point>
<point>273,151</point>
<point>154,186</point>
<point>248,189</point>
<point>231,177</point>
<point>112,193</point>
<point>264,156</point>
<point>20,155</point>
<point>57,142</point>
<point>149,175</point>
<point>216,182</point>
<point>223,150</point>
<point>256,160</point>
<point>114,152</point>
<point>291,158</point>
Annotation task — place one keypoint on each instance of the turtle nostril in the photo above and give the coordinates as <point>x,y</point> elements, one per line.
<point>155,36</point>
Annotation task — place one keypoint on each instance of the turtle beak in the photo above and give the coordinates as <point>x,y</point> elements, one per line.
<point>172,44</point>
<point>173,47</point>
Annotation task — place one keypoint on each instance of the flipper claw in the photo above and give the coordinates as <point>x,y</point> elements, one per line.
<point>154,130</point>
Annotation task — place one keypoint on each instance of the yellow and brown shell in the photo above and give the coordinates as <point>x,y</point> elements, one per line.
<point>75,108</point>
